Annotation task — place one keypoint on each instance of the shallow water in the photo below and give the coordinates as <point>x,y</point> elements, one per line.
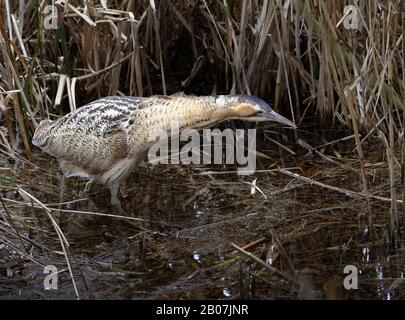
<point>181,246</point>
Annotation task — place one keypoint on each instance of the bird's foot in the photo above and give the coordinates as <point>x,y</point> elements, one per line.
<point>116,203</point>
<point>118,208</point>
<point>83,194</point>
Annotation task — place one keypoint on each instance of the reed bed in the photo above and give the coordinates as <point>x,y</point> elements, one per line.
<point>298,55</point>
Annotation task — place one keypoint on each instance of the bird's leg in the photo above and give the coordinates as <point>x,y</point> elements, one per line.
<point>88,185</point>
<point>114,195</point>
<point>86,189</point>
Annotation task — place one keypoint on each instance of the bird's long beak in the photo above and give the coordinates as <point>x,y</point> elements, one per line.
<point>274,116</point>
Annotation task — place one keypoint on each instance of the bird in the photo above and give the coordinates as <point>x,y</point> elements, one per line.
<point>104,140</point>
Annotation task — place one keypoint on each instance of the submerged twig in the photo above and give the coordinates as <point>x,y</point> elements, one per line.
<point>264,264</point>
<point>347,192</point>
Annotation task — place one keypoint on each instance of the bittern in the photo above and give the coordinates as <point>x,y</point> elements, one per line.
<point>105,139</point>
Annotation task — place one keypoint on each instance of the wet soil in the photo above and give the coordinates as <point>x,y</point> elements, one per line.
<point>174,238</point>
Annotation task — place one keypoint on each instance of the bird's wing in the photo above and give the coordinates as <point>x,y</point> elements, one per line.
<point>101,117</point>
<point>94,137</point>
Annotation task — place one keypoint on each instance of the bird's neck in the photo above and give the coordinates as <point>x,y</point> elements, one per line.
<point>199,112</point>
<point>172,116</point>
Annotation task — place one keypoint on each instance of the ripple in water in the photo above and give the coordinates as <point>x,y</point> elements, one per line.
<point>197,256</point>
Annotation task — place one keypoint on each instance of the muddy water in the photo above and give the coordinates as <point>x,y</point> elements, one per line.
<point>174,239</point>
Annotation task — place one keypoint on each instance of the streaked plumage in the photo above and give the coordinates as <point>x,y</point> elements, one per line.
<point>105,139</point>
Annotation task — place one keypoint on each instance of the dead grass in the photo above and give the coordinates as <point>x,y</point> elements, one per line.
<point>295,54</point>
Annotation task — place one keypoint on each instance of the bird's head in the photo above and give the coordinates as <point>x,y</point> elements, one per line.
<point>250,108</point>
<point>41,134</point>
